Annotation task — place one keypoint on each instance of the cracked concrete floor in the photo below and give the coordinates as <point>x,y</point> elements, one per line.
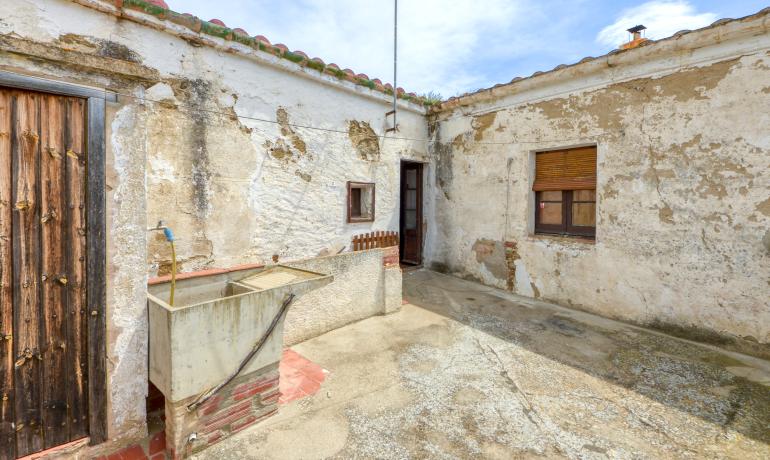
<point>469,371</point>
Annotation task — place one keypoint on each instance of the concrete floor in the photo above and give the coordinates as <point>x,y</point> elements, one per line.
<point>469,371</point>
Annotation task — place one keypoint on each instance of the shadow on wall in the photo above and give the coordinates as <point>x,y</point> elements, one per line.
<point>690,378</point>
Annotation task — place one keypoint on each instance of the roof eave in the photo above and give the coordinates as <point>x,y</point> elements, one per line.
<point>720,31</point>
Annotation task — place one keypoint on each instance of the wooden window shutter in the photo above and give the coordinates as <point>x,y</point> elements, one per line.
<point>573,169</point>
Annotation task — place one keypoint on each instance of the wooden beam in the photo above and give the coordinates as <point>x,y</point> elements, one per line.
<point>95,271</point>
<point>15,80</point>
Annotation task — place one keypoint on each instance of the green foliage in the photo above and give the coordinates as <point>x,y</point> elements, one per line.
<point>368,83</point>
<point>293,57</point>
<point>431,97</point>
<point>316,65</point>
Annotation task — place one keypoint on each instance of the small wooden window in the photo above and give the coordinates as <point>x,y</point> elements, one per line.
<point>360,202</point>
<point>565,186</point>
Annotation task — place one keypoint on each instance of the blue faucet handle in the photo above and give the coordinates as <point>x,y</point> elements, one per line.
<point>168,234</point>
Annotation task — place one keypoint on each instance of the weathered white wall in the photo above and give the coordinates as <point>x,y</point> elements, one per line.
<point>184,145</point>
<point>362,287</point>
<point>683,137</point>
<point>683,161</point>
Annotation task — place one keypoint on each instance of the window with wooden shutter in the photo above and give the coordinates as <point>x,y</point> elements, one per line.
<point>565,186</point>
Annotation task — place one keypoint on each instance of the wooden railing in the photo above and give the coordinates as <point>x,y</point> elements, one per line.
<point>375,240</point>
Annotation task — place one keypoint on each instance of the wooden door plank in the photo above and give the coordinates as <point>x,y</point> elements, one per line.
<point>7,431</point>
<point>54,279</point>
<point>26,251</point>
<point>75,240</point>
<point>96,271</point>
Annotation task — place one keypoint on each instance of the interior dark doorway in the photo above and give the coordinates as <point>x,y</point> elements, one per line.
<point>410,248</point>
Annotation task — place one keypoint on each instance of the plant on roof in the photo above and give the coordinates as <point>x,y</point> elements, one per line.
<point>431,97</point>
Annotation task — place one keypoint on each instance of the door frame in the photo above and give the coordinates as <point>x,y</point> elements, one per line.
<point>96,249</point>
<point>420,190</point>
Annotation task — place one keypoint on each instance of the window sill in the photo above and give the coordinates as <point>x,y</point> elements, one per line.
<point>581,240</point>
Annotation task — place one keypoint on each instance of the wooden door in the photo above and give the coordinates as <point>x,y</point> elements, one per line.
<point>411,213</point>
<point>43,351</point>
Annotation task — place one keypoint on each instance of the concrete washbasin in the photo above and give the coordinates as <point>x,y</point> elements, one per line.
<point>216,320</point>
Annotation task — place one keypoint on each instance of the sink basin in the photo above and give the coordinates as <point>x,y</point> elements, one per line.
<point>281,275</point>
<point>215,322</point>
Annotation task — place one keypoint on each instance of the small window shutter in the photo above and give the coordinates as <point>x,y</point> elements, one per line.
<point>573,169</point>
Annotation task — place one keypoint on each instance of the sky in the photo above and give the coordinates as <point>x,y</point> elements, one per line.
<point>455,46</point>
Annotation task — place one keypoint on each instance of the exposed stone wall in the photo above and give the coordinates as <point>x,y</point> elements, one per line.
<point>188,143</point>
<point>683,187</point>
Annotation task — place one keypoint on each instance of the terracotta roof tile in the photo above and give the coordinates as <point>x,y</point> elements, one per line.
<point>453,101</point>
<point>263,39</point>
<point>217,28</point>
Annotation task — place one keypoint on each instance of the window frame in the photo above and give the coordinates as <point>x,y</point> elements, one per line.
<point>565,228</point>
<point>359,185</point>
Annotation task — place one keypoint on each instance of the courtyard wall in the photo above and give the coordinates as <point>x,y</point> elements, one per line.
<point>683,189</point>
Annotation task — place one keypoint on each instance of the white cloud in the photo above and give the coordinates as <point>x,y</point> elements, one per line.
<point>441,42</point>
<point>662,18</point>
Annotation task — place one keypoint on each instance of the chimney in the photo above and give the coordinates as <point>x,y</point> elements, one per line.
<point>636,40</point>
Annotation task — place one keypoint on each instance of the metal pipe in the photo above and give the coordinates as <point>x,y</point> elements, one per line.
<point>170,238</point>
<point>395,64</point>
<point>173,273</point>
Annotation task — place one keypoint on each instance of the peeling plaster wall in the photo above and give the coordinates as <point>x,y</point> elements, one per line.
<point>683,189</point>
<point>185,144</point>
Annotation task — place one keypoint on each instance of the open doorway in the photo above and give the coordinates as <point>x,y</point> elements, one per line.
<point>410,248</point>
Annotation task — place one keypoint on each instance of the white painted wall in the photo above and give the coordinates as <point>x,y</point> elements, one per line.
<point>185,145</point>
<point>683,185</point>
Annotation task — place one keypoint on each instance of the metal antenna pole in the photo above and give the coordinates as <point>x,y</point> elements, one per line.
<point>395,62</point>
<point>394,128</point>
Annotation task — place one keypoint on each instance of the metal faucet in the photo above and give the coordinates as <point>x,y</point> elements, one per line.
<point>170,238</point>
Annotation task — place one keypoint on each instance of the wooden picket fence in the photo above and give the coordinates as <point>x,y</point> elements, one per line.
<point>375,240</point>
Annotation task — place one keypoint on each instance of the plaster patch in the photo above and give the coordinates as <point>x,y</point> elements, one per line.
<point>491,255</point>
<point>481,124</point>
<point>160,170</point>
<point>764,207</point>
<point>98,46</point>
<point>666,215</point>
<point>161,93</point>
<point>522,280</point>
<point>444,168</point>
<point>288,132</point>
<point>608,106</point>
<point>364,140</point>
<point>127,313</point>
<point>303,175</point>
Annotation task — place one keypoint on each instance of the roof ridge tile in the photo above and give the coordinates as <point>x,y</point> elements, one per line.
<point>217,28</point>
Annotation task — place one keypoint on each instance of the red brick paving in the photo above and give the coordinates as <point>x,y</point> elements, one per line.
<point>300,377</point>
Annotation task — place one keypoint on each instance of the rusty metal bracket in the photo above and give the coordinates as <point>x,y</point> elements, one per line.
<point>22,205</point>
<point>54,154</point>
<point>27,355</point>
<point>48,216</point>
